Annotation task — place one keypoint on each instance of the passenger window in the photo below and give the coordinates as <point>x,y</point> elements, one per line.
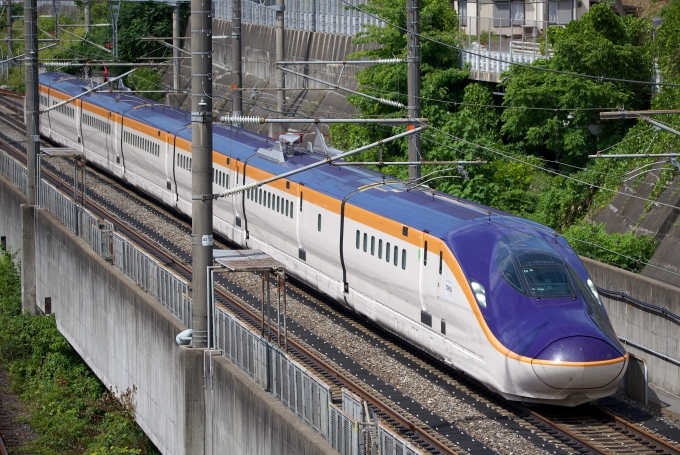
<point>318,222</point>
<point>278,203</point>
<point>301,201</point>
<point>287,202</point>
<point>403,259</point>
<point>365,242</point>
<point>396,255</point>
<point>358,239</point>
<point>425,254</point>
<point>269,200</point>
<point>372,246</point>
<point>291,210</point>
<point>387,252</point>
<point>260,195</point>
<point>441,260</point>
<point>380,249</point>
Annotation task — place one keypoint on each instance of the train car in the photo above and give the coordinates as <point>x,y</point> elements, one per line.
<point>499,297</point>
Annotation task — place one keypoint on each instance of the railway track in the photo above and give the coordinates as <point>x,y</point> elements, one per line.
<point>583,431</point>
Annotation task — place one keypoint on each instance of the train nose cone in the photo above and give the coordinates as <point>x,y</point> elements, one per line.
<point>579,363</point>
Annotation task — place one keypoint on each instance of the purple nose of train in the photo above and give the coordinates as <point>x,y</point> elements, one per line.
<point>578,362</point>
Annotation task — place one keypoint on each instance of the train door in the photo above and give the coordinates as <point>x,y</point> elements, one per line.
<point>440,271</point>
<point>300,223</point>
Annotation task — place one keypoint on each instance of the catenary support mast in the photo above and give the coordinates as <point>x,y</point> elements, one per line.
<point>201,169</point>
<point>31,107</point>
<point>236,66</point>
<point>413,59</point>
<point>176,32</point>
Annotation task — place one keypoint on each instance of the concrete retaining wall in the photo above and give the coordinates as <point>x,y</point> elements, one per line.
<point>258,53</point>
<point>11,199</point>
<point>128,340</point>
<point>643,326</point>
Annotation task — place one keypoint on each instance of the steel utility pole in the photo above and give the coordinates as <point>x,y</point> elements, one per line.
<point>201,169</point>
<point>236,67</point>
<point>88,24</point>
<point>176,32</point>
<point>413,59</point>
<point>280,56</point>
<point>31,107</point>
<point>10,54</point>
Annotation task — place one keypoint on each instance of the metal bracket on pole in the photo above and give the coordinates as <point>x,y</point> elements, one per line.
<point>114,6</point>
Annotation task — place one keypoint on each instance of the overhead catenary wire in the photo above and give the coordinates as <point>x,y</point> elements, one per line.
<point>521,65</point>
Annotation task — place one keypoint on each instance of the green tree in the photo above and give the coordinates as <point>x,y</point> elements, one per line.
<point>600,44</point>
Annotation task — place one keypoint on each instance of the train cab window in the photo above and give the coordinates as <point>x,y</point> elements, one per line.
<point>396,255</point>
<point>403,259</point>
<point>372,245</point>
<point>358,239</point>
<point>387,252</point>
<point>365,242</point>
<point>425,254</point>
<point>380,249</point>
<point>441,261</point>
<point>319,223</point>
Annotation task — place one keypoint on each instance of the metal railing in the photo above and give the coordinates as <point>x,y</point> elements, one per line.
<point>328,16</point>
<point>493,44</point>
<point>147,273</point>
<point>13,171</point>
<point>170,290</point>
<point>303,394</point>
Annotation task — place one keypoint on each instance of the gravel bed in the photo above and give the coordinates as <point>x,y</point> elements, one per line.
<point>430,395</point>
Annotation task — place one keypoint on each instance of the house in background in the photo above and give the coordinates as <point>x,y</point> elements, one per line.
<point>497,33</point>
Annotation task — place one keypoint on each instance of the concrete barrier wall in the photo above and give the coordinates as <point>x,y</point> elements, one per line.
<point>11,199</point>
<point>258,55</point>
<point>128,340</point>
<point>643,326</point>
<point>120,331</point>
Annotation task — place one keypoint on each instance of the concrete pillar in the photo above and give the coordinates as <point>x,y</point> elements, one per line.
<point>176,32</point>
<point>191,366</point>
<point>88,27</point>
<point>28,277</point>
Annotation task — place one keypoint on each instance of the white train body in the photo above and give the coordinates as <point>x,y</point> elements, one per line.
<point>451,289</point>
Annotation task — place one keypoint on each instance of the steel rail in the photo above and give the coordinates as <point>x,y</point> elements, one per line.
<point>641,433</point>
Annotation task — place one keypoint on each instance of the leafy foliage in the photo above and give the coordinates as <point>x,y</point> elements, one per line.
<point>600,44</point>
<point>621,250</point>
<point>69,407</point>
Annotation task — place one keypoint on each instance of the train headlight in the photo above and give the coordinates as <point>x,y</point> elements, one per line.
<point>480,293</point>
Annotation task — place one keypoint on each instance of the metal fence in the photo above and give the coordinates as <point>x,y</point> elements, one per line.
<point>299,391</point>
<point>170,290</point>
<point>13,171</point>
<point>491,44</point>
<point>328,16</point>
<point>305,395</point>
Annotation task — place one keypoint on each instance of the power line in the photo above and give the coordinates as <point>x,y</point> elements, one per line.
<point>521,65</point>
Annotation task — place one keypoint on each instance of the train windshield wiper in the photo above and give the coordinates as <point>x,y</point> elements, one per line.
<point>532,285</point>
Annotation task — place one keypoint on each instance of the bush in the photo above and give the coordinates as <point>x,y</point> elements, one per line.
<point>620,250</point>
<point>68,406</point>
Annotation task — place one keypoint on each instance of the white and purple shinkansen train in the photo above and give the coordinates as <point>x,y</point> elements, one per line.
<point>498,297</point>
